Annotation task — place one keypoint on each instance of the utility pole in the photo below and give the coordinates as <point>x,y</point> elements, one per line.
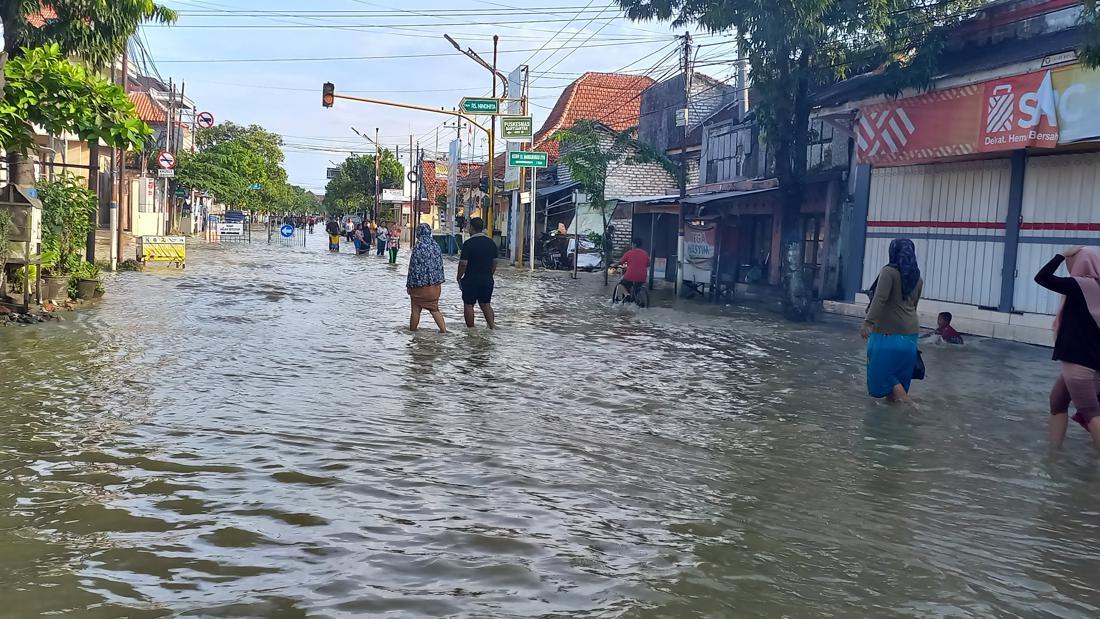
<point>492,147</point>
<point>170,121</point>
<point>122,187</point>
<point>377,177</point>
<point>412,184</point>
<point>686,66</point>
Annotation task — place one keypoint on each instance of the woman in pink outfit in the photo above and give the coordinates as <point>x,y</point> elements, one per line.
<point>1076,341</point>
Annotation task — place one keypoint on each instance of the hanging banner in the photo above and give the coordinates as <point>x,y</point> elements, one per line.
<point>699,251</point>
<point>1004,114</point>
<point>1078,93</point>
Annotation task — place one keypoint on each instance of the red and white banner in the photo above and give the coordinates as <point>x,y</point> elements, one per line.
<point>1004,114</point>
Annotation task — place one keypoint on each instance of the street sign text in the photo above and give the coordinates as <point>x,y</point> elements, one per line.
<point>472,105</point>
<point>527,159</point>
<point>517,128</point>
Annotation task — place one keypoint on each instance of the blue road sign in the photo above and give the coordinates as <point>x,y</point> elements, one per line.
<point>287,231</point>
<point>255,186</point>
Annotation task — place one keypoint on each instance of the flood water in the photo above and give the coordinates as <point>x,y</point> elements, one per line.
<point>258,436</point>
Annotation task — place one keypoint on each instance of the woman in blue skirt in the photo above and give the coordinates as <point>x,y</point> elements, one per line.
<point>891,328</point>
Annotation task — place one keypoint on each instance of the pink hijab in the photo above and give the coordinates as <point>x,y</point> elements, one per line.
<point>1084,266</point>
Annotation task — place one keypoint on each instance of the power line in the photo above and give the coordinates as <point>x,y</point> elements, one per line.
<point>390,56</point>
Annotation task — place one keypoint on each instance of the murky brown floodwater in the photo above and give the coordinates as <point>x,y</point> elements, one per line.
<point>258,437</point>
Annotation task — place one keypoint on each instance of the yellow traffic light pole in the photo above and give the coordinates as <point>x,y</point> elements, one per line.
<point>327,100</point>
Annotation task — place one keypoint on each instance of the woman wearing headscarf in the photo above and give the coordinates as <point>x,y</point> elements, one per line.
<point>1076,341</point>
<point>425,278</point>
<point>891,327</point>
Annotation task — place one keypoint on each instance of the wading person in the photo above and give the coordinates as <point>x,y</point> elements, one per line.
<point>394,242</point>
<point>333,230</point>
<point>425,280</point>
<point>1076,341</point>
<point>891,327</point>
<point>349,228</point>
<point>382,235</point>
<point>476,267</point>
<point>362,240</point>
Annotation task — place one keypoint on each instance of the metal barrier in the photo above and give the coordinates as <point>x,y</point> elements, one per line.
<point>218,231</point>
<point>286,235</point>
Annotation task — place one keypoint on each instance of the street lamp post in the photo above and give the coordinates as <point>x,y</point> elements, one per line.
<point>492,68</point>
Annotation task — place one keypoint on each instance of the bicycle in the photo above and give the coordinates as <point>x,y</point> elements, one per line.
<point>628,292</point>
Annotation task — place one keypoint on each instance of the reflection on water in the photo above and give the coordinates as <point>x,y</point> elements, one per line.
<point>257,436</point>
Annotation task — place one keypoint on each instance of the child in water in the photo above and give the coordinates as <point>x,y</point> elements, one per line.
<point>944,331</point>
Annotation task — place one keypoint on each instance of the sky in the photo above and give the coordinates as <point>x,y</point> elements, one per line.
<point>263,62</point>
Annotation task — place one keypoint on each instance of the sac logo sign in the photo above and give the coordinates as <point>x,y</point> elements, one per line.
<point>1003,114</point>
<point>1020,112</point>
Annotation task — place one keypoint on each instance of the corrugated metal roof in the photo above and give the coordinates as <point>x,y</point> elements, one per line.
<point>552,189</point>
<point>707,198</point>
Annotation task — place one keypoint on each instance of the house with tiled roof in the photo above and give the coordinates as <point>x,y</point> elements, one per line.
<point>611,98</point>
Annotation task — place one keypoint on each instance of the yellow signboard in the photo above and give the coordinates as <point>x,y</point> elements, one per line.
<point>170,249</point>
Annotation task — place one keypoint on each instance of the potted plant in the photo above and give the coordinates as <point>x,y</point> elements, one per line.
<point>84,281</point>
<point>67,208</point>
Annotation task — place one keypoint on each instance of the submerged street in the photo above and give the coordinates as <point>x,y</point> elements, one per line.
<point>259,435</point>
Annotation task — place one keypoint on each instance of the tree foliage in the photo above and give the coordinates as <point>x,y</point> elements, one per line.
<point>352,190</point>
<point>44,89</point>
<point>231,159</point>
<point>94,30</point>
<point>794,47</point>
<point>66,206</point>
<point>592,150</point>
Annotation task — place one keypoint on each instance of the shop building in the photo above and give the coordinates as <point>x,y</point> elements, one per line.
<point>991,172</point>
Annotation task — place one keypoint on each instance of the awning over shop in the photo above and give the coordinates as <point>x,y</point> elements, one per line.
<point>553,189</point>
<point>644,205</point>
<point>708,198</point>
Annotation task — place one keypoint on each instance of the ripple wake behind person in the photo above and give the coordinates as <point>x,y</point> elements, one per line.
<point>1076,341</point>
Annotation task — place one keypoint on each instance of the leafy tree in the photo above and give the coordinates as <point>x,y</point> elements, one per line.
<point>352,190</point>
<point>95,31</point>
<point>796,46</point>
<point>44,89</point>
<point>233,158</point>
<point>592,150</point>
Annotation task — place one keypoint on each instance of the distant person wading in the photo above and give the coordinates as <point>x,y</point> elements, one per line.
<point>891,327</point>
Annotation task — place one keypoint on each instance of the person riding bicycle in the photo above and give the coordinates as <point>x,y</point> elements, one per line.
<point>636,262</point>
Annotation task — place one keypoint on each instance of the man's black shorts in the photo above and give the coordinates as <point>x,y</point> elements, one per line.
<point>477,293</point>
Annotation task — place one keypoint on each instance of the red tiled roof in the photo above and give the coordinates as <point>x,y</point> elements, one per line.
<point>147,110</point>
<point>432,186</point>
<point>42,17</point>
<point>615,99</point>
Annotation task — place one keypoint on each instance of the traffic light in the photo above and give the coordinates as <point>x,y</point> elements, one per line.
<point>328,94</point>
<point>484,185</point>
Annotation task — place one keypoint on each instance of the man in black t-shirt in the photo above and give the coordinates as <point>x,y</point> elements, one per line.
<point>476,267</point>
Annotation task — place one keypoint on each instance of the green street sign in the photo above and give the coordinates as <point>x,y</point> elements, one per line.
<point>181,192</point>
<point>517,128</point>
<point>527,159</point>
<point>472,105</point>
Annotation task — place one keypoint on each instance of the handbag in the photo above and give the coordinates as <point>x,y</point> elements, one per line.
<point>918,369</point>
